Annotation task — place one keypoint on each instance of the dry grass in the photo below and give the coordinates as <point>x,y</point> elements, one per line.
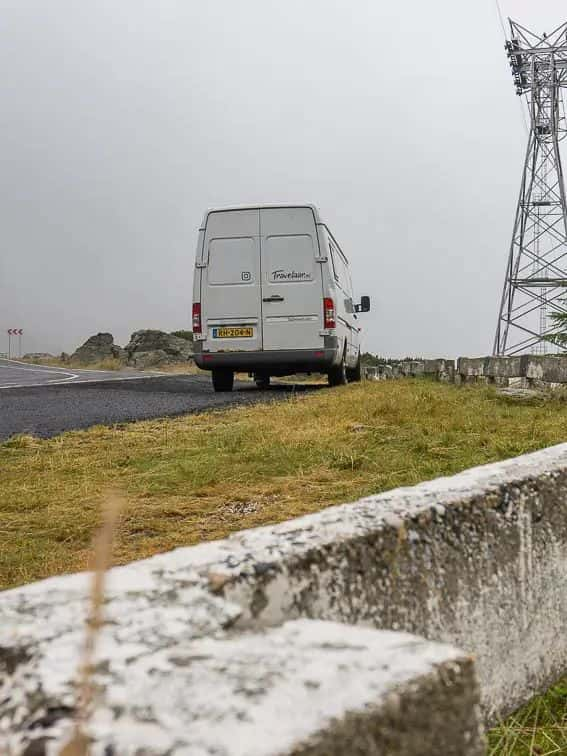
<point>102,553</point>
<point>202,476</point>
<point>181,368</point>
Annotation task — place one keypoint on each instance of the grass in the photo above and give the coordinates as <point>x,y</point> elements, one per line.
<point>205,475</point>
<point>538,729</point>
<point>202,476</point>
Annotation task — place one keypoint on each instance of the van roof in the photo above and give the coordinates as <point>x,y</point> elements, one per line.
<point>262,207</point>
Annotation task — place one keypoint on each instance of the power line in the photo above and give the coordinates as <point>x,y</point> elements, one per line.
<point>503,27</point>
<point>524,119</point>
<point>501,17</point>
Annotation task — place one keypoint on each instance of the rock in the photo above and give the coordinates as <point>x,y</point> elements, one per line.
<point>520,393</point>
<point>148,348</point>
<point>119,353</point>
<point>99,347</point>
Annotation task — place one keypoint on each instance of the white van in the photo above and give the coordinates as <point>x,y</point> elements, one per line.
<point>272,296</point>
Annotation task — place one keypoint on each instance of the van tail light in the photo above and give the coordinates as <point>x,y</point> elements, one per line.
<point>329,313</point>
<point>197,317</point>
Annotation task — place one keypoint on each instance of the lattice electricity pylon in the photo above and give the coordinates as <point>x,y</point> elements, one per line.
<point>536,274</point>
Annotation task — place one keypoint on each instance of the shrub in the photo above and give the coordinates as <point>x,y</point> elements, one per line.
<point>187,335</point>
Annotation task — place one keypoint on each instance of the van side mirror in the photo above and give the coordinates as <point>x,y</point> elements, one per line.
<point>364,305</point>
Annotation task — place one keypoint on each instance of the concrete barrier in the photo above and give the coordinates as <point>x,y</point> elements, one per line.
<point>417,367</point>
<point>501,369</point>
<point>478,561</point>
<point>377,373</point>
<point>412,368</point>
<point>545,369</point>
<point>306,688</point>
<point>442,369</point>
<point>532,370</point>
<point>472,369</point>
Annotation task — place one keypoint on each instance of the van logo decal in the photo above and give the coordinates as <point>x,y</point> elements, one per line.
<point>290,275</point>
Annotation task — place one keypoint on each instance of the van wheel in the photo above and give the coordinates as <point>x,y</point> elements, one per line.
<point>354,375</point>
<point>262,381</point>
<point>223,379</point>
<point>338,374</point>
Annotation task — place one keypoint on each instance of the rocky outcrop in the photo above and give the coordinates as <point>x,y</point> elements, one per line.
<point>147,348</point>
<point>97,348</point>
<point>150,348</point>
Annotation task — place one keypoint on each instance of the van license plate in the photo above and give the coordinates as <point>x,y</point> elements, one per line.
<point>233,333</point>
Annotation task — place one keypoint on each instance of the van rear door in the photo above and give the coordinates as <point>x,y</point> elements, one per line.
<point>231,289</point>
<point>292,288</point>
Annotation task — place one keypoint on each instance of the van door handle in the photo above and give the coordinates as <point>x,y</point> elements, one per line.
<point>273,298</point>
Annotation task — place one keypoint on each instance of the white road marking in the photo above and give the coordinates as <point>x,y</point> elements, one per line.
<point>90,380</point>
<point>40,369</point>
<point>29,367</point>
<point>45,383</point>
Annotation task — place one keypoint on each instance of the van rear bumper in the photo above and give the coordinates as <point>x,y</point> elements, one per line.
<point>279,361</point>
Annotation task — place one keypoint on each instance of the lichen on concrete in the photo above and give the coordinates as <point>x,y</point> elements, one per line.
<point>42,630</point>
<point>304,688</point>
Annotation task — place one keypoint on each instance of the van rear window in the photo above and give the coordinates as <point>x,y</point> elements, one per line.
<point>232,261</point>
<point>290,258</point>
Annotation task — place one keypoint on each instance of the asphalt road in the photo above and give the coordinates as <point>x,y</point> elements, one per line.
<point>15,374</point>
<point>48,403</point>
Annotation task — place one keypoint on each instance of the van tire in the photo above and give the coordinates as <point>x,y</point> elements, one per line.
<point>337,375</point>
<point>262,381</point>
<point>355,374</point>
<point>223,379</point>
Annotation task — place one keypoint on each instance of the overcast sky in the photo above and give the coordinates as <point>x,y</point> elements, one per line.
<point>122,120</point>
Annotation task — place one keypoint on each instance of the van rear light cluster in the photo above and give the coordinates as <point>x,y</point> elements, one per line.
<point>329,313</point>
<point>197,317</point>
